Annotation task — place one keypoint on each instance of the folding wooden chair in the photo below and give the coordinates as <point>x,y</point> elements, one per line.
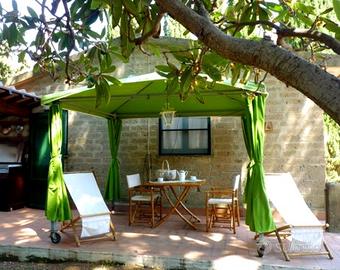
<point>145,203</point>
<point>222,206</point>
<point>304,229</point>
<point>94,215</point>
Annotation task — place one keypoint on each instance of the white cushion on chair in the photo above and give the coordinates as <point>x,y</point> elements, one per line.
<point>219,201</point>
<point>143,198</point>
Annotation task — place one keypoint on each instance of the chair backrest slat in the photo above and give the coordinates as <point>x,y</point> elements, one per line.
<point>236,182</point>
<point>133,180</point>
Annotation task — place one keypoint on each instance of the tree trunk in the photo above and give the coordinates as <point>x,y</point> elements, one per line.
<point>318,85</point>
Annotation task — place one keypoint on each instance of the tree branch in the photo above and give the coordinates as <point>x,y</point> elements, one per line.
<point>201,9</point>
<point>320,86</point>
<point>328,40</point>
<point>155,29</point>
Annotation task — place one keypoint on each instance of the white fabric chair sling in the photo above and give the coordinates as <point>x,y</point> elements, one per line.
<point>305,229</point>
<point>94,215</point>
<point>145,203</point>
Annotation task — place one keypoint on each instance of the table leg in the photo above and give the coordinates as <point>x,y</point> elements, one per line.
<point>179,199</point>
<point>183,205</point>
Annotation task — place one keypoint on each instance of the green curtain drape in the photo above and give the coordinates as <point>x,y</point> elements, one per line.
<point>112,187</point>
<point>57,204</point>
<point>258,214</point>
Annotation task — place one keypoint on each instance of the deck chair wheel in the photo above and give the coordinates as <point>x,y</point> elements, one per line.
<point>260,250</point>
<point>55,237</point>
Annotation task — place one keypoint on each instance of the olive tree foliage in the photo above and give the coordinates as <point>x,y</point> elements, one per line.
<point>232,42</point>
<point>332,141</point>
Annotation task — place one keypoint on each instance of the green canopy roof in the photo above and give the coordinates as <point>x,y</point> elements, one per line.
<point>145,96</point>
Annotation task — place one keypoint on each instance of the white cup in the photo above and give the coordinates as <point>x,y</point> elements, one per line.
<point>193,177</point>
<point>160,179</point>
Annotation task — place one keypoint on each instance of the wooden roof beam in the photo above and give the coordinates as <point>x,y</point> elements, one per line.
<point>9,109</point>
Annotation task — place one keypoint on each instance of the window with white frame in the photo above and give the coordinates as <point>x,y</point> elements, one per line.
<point>186,136</point>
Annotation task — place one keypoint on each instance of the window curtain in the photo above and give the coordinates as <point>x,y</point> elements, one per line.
<point>112,187</point>
<point>258,214</point>
<point>57,204</point>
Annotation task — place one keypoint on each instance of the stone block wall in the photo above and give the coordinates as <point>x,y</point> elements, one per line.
<point>294,140</point>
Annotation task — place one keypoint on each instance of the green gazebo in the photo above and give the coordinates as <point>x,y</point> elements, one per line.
<point>144,96</point>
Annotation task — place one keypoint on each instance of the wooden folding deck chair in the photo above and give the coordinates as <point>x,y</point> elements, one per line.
<point>305,230</point>
<point>94,215</point>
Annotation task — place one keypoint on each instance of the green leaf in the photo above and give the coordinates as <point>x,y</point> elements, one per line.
<point>14,5</point>
<point>326,11</point>
<point>212,71</point>
<point>251,28</point>
<point>12,35</point>
<point>21,56</point>
<point>245,17</point>
<point>39,39</point>
<point>172,85</point>
<point>126,46</point>
<point>75,7</point>
<point>330,25</point>
<point>163,68</point>
<point>109,69</point>
<point>163,74</point>
<point>148,25</point>
<point>245,76</point>
<point>92,17</point>
<point>306,20</point>
<point>273,6</point>
<point>131,7</point>
<point>32,12</point>
<point>116,12</point>
<point>281,15</point>
<point>93,34</point>
<point>336,6</point>
<point>63,42</point>
<point>186,79</point>
<point>198,96</point>
<point>95,4</point>
<point>102,88</point>
<point>36,68</point>
<point>214,59</point>
<point>113,80</point>
<point>235,74</point>
<point>263,14</point>
<point>30,21</point>
<point>0,9</point>
<point>207,4</point>
<point>309,10</point>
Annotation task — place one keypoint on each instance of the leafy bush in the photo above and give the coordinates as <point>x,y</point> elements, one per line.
<point>332,141</point>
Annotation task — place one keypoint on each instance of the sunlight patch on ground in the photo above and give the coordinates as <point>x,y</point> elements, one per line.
<point>235,262</point>
<point>216,237</point>
<point>7,225</point>
<point>193,255</point>
<point>136,235</point>
<point>26,235</point>
<point>23,222</point>
<point>196,241</point>
<point>174,237</point>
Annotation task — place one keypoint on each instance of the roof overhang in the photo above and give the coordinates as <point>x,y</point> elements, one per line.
<point>145,96</point>
<point>16,102</point>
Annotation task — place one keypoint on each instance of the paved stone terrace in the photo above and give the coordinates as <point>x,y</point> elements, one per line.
<point>24,233</point>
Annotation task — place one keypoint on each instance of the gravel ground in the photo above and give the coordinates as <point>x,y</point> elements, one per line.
<point>8,265</point>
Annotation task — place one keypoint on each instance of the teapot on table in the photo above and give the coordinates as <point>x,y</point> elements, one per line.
<point>182,174</point>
